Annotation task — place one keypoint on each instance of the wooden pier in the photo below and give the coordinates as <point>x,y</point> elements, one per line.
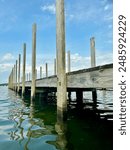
<point>88,79</point>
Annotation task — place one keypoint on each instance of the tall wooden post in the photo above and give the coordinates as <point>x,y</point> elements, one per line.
<point>29,76</point>
<point>46,65</point>
<point>61,74</point>
<point>24,67</point>
<point>93,58</point>
<point>16,75</point>
<point>33,87</point>
<point>13,78</point>
<point>40,72</point>
<point>68,54</point>
<point>54,66</point>
<point>19,64</point>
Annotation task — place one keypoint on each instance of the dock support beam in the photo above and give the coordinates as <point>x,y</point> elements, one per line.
<point>33,86</point>
<point>79,97</point>
<point>61,74</point>
<point>19,65</point>
<point>93,58</point>
<point>24,67</point>
<point>94,97</point>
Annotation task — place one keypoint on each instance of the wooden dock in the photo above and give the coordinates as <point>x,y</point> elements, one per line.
<point>99,77</point>
<point>88,79</point>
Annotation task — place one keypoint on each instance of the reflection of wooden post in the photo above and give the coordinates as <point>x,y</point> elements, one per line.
<point>33,87</point>
<point>24,67</point>
<point>68,54</point>
<point>19,64</point>
<point>46,70</point>
<point>40,72</point>
<point>16,76</point>
<point>93,59</point>
<point>54,66</point>
<point>61,74</point>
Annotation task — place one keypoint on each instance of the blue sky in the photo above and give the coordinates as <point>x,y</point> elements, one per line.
<point>84,19</point>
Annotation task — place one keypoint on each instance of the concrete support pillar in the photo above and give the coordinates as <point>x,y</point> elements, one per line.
<point>61,67</point>
<point>93,57</point>
<point>40,72</point>
<point>46,65</point>
<point>24,68</point>
<point>33,86</point>
<point>68,58</point>
<point>54,66</point>
<point>19,67</point>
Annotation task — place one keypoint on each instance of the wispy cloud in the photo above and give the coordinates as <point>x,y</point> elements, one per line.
<point>7,57</point>
<point>49,8</point>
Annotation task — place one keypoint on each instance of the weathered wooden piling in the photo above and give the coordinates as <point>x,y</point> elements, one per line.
<point>55,66</point>
<point>16,75</point>
<point>33,86</point>
<point>29,76</point>
<point>68,58</point>
<point>61,74</point>
<point>46,66</point>
<point>93,57</point>
<point>24,68</point>
<point>40,72</point>
<point>19,67</point>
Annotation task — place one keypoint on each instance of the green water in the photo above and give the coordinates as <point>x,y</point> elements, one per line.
<point>26,125</point>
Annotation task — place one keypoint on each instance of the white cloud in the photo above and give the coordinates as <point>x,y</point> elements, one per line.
<point>5,67</point>
<point>50,8</point>
<point>8,57</point>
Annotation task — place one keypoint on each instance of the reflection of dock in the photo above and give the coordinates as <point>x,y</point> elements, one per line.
<point>91,79</point>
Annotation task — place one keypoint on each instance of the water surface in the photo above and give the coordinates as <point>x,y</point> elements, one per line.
<point>26,125</point>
